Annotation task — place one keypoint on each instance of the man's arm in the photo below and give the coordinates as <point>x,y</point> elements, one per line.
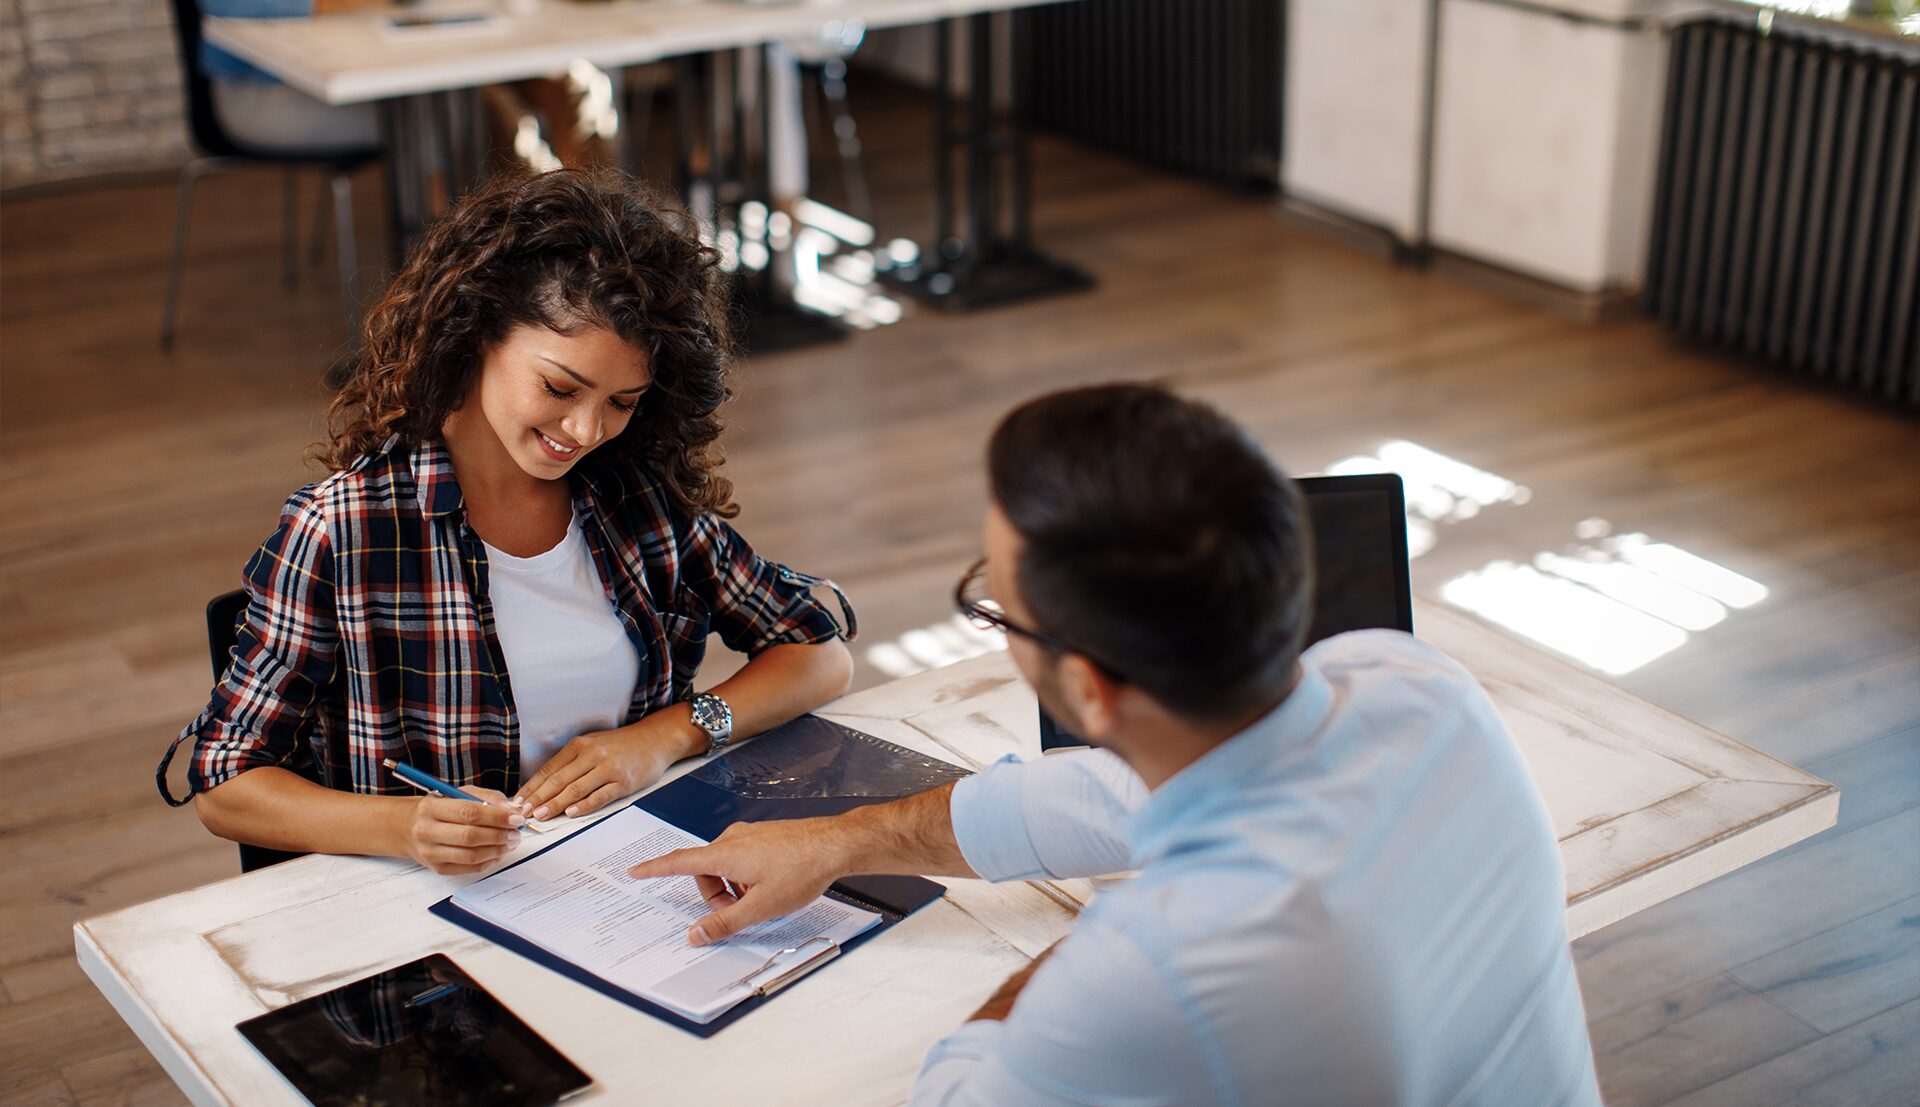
<point>1058,816</point>
<point>759,871</point>
<point>1096,1023</point>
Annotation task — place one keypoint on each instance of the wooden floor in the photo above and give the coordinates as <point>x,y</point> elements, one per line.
<point>133,484</point>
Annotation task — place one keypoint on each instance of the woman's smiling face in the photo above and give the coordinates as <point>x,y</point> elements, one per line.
<point>553,398</point>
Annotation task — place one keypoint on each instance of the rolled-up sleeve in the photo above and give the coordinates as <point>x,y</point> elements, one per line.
<point>1060,816</point>
<point>755,603</point>
<point>284,654</point>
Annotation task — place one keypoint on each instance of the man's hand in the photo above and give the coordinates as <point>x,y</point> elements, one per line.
<point>760,871</point>
<point>756,871</point>
<point>453,836</point>
<point>595,769</point>
<point>1000,1004</point>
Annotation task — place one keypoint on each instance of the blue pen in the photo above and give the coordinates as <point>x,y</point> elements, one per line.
<point>427,782</point>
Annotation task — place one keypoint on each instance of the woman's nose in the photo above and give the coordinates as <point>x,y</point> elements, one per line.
<point>583,423</point>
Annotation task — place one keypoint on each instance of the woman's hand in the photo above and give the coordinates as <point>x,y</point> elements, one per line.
<point>595,769</point>
<point>453,836</point>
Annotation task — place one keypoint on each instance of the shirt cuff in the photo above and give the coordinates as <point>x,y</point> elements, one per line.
<point>954,1059</point>
<point>220,751</point>
<point>990,826</point>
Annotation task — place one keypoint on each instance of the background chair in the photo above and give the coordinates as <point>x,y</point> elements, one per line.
<point>221,152</point>
<point>223,617</point>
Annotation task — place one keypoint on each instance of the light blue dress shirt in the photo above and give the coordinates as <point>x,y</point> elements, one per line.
<point>1357,900</point>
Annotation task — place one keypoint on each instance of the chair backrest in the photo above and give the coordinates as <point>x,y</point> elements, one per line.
<point>223,624</point>
<point>202,124</point>
<point>223,621</point>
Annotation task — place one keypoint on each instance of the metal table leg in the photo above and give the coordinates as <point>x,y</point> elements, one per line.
<point>984,266</point>
<point>771,318</point>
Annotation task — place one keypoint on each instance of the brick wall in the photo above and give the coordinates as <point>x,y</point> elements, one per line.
<point>87,86</point>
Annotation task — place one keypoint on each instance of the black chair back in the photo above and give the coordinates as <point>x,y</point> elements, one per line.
<point>223,621</point>
<point>202,123</point>
<point>223,626</point>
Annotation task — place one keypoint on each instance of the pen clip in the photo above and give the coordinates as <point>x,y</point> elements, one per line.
<point>415,785</point>
<point>788,976</point>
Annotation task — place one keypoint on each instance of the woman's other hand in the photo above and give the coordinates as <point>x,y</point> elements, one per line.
<point>595,769</point>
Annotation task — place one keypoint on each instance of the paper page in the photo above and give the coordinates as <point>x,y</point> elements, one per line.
<point>576,901</point>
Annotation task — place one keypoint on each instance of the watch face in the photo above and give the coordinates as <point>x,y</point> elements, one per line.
<point>710,715</point>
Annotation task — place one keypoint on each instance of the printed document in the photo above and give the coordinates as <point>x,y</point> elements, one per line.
<point>576,901</point>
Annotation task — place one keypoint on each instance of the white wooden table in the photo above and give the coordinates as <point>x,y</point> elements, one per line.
<point>346,58</point>
<point>1646,805</point>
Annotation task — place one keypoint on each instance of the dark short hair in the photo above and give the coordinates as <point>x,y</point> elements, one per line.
<point>1160,542</point>
<point>563,250</point>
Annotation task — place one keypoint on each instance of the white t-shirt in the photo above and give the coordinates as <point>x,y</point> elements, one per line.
<point>572,665</point>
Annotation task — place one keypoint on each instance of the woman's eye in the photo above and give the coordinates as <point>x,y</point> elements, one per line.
<point>626,407</point>
<point>555,392</point>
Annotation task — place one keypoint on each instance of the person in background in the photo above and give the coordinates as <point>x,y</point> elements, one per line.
<point>509,579</point>
<point>1348,890</point>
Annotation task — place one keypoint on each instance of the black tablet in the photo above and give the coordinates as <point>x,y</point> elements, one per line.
<point>1362,578</point>
<point>1361,573</point>
<point>420,1033</point>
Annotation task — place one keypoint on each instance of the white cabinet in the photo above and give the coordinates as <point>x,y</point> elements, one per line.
<point>1355,106</point>
<point>1546,138</point>
<point>1546,127</point>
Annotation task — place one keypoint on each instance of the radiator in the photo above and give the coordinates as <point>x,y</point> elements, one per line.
<point>1787,213</point>
<point>1193,85</point>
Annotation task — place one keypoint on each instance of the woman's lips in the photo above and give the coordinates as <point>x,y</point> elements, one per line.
<point>555,449</point>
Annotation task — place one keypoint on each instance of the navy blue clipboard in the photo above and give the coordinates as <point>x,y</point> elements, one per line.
<point>805,768</point>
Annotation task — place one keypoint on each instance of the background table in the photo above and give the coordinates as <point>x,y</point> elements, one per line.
<point>988,259</point>
<point>346,58</point>
<point>1646,805</point>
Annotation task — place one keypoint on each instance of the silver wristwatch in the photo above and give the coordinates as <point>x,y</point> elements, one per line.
<point>711,714</point>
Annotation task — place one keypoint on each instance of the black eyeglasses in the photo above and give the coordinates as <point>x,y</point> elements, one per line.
<point>970,597</point>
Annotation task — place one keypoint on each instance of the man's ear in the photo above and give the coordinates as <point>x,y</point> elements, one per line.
<point>1093,695</point>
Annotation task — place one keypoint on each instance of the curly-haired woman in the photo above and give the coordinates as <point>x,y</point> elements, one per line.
<point>510,578</point>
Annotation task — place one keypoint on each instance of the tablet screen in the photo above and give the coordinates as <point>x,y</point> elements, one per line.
<point>1360,570</point>
<point>420,1033</point>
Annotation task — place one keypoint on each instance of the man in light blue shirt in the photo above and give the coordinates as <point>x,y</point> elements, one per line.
<point>1348,891</point>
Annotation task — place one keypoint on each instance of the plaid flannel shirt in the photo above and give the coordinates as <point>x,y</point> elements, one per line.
<point>368,633</point>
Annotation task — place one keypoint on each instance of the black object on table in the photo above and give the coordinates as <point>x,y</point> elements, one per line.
<point>424,1032</point>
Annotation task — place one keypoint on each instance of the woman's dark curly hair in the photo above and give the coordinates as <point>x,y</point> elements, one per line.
<point>562,250</point>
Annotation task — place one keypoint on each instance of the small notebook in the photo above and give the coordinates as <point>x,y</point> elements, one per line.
<point>419,26</point>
